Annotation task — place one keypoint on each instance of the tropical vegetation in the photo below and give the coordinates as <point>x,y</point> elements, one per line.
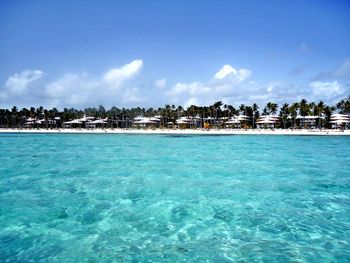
<point>54,118</point>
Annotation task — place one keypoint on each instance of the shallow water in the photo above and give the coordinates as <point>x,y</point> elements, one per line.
<point>154,198</point>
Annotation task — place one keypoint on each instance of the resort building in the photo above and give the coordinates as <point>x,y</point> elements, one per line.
<point>307,122</point>
<point>146,122</point>
<point>237,121</point>
<point>86,122</point>
<point>41,123</point>
<point>267,121</point>
<point>189,122</point>
<point>233,123</point>
<point>340,120</point>
<point>336,121</point>
<point>73,124</point>
<point>99,123</point>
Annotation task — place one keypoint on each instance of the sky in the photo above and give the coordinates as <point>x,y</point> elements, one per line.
<point>86,53</point>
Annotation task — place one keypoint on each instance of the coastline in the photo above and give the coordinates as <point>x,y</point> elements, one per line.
<point>182,132</point>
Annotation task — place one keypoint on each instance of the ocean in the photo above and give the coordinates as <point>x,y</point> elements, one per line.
<point>174,198</point>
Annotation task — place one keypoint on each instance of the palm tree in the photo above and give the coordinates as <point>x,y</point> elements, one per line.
<point>2,117</point>
<point>192,112</point>
<point>24,113</point>
<point>14,112</point>
<point>232,110</point>
<point>293,111</point>
<point>328,112</point>
<point>265,111</point>
<point>284,112</point>
<point>14,117</point>
<point>241,109</point>
<point>272,108</point>
<point>255,108</point>
<point>101,112</point>
<point>304,108</point>
<point>344,105</point>
<point>318,110</point>
<point>226,110</point>
<point>217,109</point>
<point>249,113</point>
<point>179,111</point>
<point>39,111</point>
<point>46,117</point>
<point>32,112</point>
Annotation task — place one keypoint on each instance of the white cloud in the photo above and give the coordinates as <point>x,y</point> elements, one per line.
<point>226,83</point>
<point>228,71</point>
<point>192,89</point>
<point>133,96</point>
<point>115,77</point>
<point>243,74</point>
<point>18,83</point>
<point>270,88</point>
<point>278,92</point>
<point>224,71</point>
<point>81,89</point>
<point>191,101</point>
<point>70,84</point>
<point>326,89</point>
<point>74,90</point>
<point>160,83</point>
<point>234,86</point>
<point>116,87</point>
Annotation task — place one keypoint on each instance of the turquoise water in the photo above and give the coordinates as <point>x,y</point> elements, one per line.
<point>153,198</point>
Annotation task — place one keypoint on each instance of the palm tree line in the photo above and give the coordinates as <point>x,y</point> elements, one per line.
<point>53,118</point>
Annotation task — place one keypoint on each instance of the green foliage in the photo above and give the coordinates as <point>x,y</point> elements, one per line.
<point>169,113</point>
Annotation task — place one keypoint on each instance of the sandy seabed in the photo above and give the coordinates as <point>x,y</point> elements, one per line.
<point>185,131</point>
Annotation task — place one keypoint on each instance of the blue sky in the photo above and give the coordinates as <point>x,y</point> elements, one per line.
<point>148,53</point>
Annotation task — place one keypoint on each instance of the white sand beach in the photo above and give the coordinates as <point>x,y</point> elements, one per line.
<point>185,131</point>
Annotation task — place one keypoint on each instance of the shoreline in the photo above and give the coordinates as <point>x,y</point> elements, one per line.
<point>182,132</point>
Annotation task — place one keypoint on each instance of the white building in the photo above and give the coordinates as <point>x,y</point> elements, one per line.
<point>267,121</point>
<point>340,120</point>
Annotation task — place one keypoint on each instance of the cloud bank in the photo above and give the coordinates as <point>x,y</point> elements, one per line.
<point>235,86</point>
<point>75,90</point>
<point>20,83</point>
<point>117,87</point>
